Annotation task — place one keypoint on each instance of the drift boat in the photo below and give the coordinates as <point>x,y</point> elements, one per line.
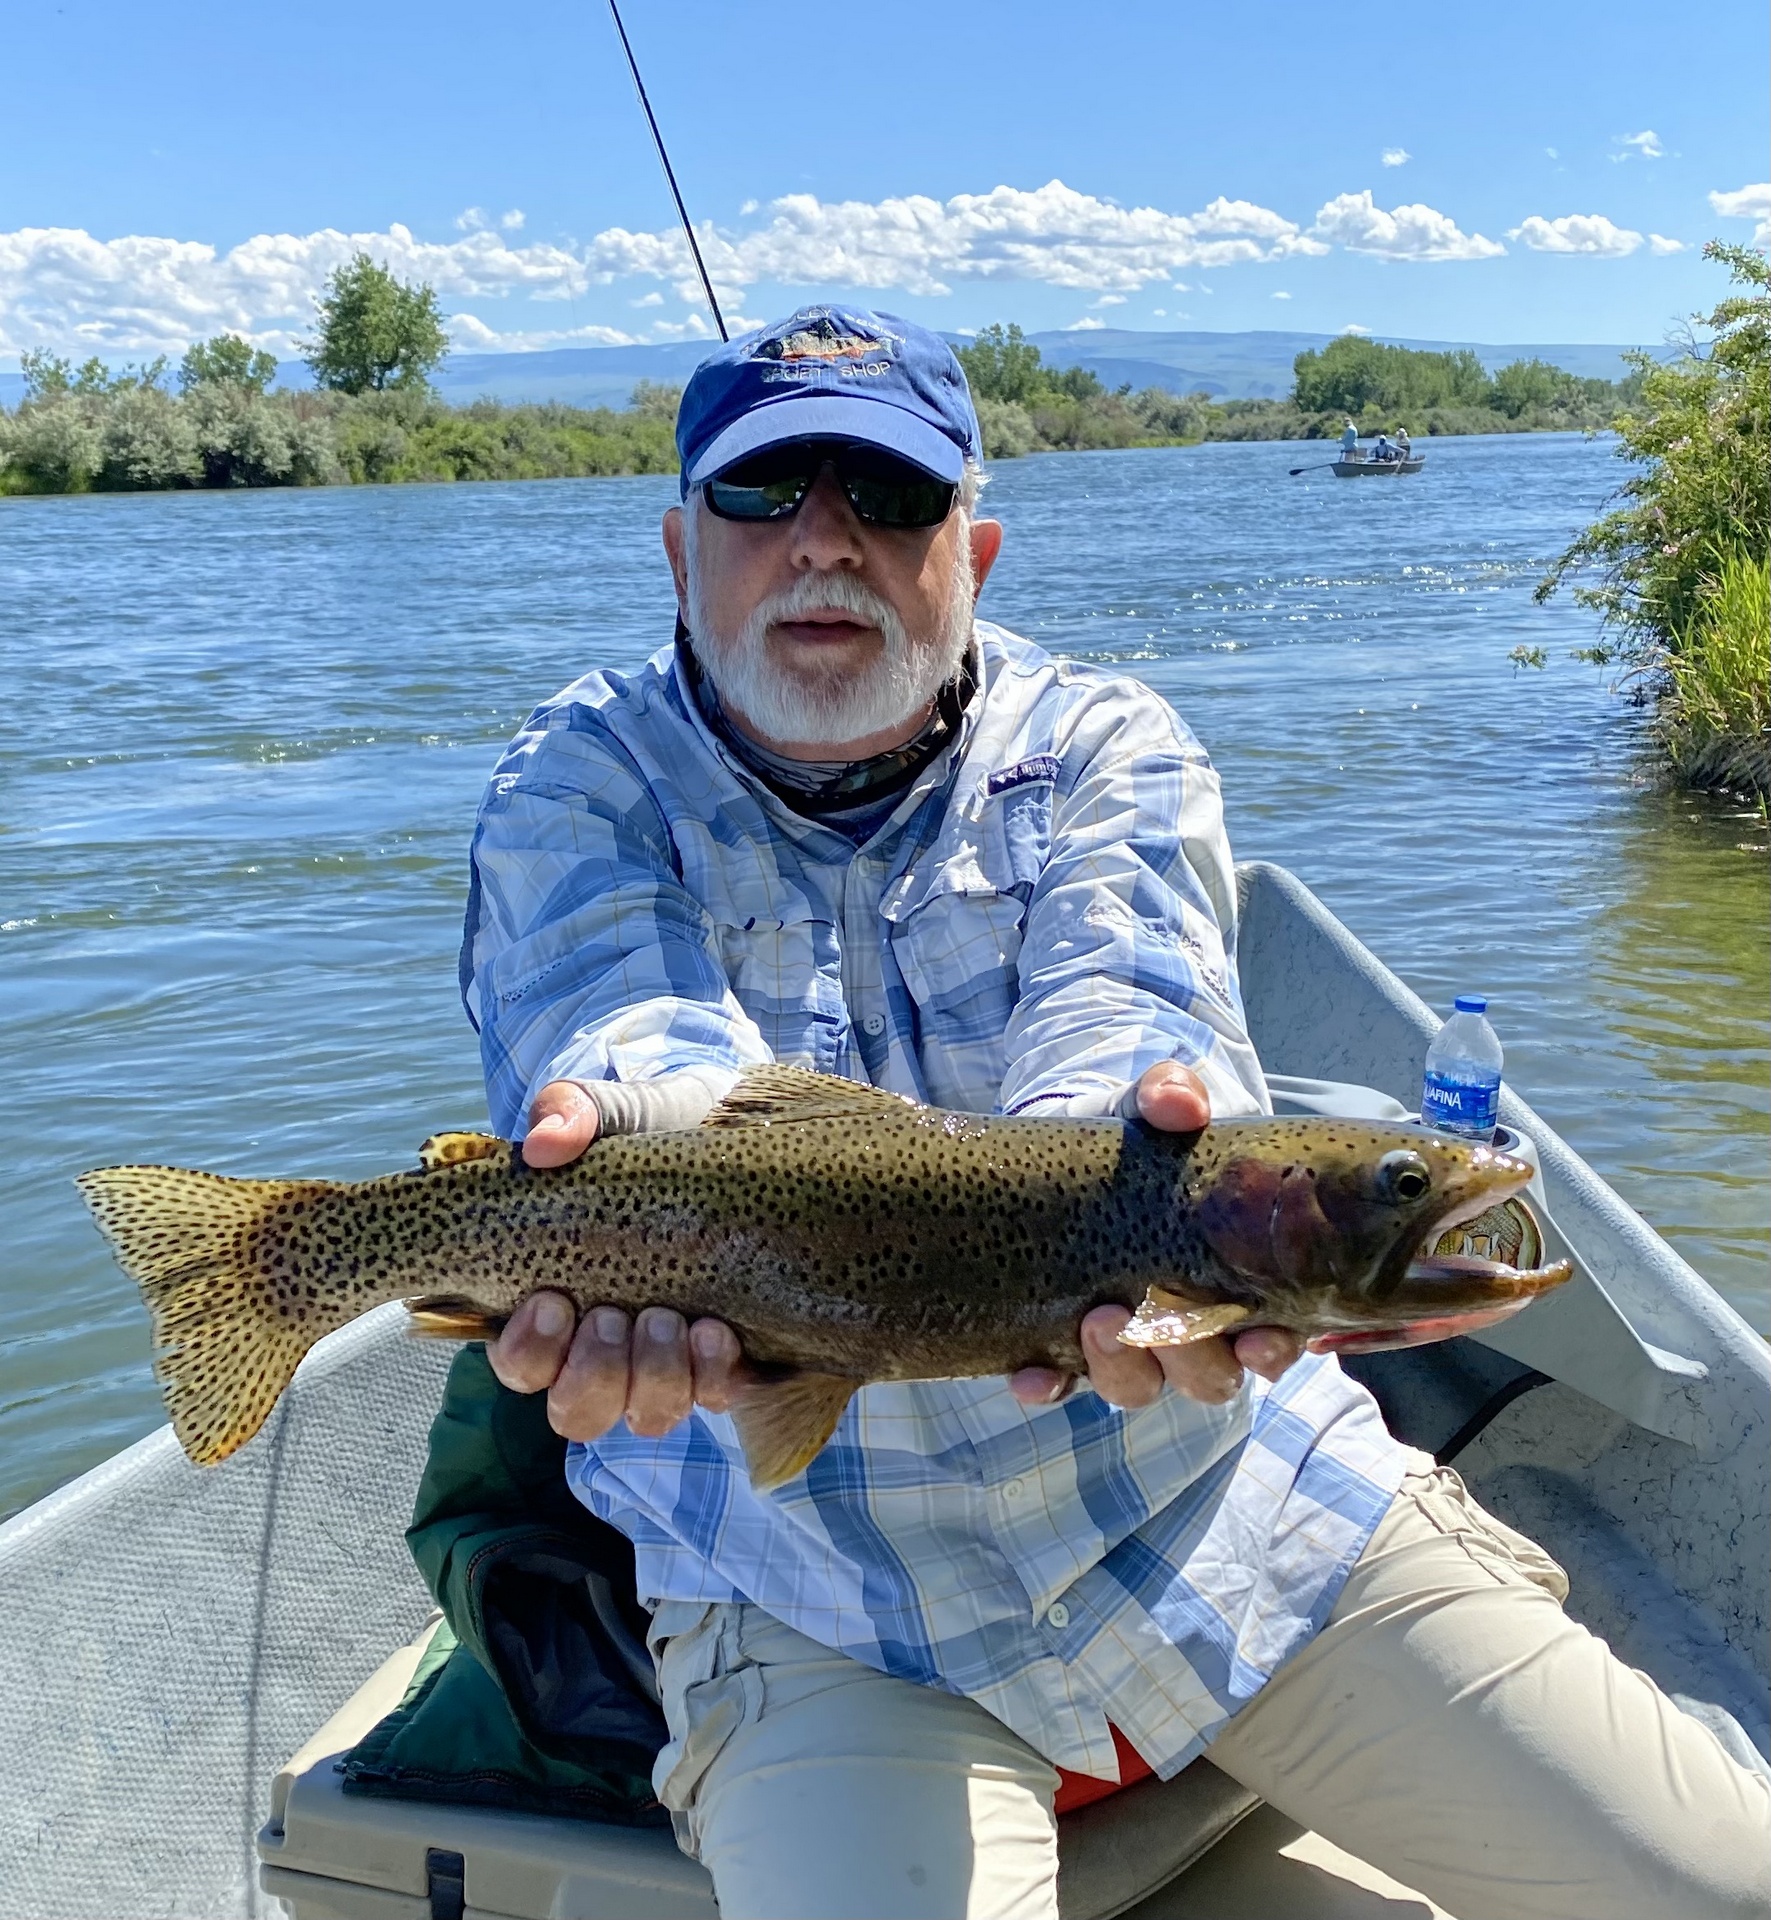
<point>188,1652</point>
<point>1361,466</point>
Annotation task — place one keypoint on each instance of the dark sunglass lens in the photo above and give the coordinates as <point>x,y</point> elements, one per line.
<point>915,500</point>
<point>768,485</point>
<point>733,502</point>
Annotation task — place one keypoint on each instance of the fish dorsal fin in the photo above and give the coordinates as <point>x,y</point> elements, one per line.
<point>1172,1320</point>
<point>777,1093</point>
<point>783,1424</point>
<point>450,1149</point>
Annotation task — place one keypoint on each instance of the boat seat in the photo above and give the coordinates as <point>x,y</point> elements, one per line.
<point>329,1855</point>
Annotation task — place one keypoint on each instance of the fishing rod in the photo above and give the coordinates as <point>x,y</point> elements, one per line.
<point>669,173</point>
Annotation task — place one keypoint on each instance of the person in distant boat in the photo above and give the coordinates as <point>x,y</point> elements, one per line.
<point>1349,442</point>
<point>1402,443</point>
<point>842,822</point>
<point>1385,449</point>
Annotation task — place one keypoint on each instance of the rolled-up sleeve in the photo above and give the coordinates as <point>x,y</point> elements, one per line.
<point>1128,944</point>
<point>584,957</point>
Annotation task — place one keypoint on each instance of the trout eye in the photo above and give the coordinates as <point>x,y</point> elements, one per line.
<point>1403,1176</point>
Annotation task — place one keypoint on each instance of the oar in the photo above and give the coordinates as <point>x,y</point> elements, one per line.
<point>1316,467</point>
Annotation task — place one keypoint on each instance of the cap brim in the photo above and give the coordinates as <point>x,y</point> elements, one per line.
<point>831,416</point>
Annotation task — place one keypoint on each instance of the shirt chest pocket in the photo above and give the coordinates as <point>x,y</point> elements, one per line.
<point>956,925</point>
<point>785,970</point>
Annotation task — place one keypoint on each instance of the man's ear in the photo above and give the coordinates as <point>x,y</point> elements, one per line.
<point>986,545</point>
<point>676,551</point>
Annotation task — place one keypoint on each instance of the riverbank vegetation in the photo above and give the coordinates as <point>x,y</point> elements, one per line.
<point>1027,406</point>
<point>1679,568</point>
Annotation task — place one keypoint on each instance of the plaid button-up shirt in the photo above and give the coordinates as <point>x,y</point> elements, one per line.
<point>1048,911</point>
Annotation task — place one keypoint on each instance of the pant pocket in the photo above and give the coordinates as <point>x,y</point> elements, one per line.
<point>708,1689</point>
<point>1508,1556</point>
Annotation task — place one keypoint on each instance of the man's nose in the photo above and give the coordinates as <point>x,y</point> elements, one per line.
<point>826,533</point>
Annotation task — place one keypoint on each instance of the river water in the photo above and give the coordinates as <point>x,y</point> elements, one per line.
<point>242,738</point>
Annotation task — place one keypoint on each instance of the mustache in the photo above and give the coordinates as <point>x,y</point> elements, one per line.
<point>829,593</point>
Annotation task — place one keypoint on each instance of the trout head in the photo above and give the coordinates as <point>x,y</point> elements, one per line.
<point>1331,1223</point>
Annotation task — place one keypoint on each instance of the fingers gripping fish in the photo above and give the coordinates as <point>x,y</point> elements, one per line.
<point>846,1234</point>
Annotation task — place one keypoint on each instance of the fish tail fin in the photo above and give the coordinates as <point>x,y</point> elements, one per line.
<point>192,1243</point>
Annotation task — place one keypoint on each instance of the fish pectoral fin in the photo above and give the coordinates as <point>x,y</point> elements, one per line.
<point>1172,1320</point>
<point>442,1316</point>
<point>783,1424</point>
<point>771,1093</point>
<point>450,1149</point>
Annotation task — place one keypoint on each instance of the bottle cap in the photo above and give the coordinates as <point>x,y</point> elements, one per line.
<point>1472,1003</point>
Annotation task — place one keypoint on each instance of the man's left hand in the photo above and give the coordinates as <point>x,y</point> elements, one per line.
<point>1174,1098</point>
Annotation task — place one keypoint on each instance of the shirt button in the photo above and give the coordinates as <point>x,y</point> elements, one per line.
<point>1057,1615</point>
<point>874,1024</point>
<point>1014,1489</point>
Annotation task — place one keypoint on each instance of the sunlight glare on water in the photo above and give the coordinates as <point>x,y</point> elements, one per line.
<point>244,736</point>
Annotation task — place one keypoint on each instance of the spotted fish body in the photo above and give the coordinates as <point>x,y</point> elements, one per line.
<point>845,1234</point>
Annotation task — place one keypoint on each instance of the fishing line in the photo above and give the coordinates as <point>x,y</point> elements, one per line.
<point>669,173</point>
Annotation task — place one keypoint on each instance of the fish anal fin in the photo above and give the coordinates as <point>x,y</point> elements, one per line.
<point>783,1424</point>
<point>1167,1319</point>
<point>778,1093</point>
<point>451,1149</point>
<point>440,1316</point>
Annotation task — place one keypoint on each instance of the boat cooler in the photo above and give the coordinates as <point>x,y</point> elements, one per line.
<point>329,1855</point>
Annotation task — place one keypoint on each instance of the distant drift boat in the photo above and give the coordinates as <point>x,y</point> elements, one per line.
<point>1360,466</point>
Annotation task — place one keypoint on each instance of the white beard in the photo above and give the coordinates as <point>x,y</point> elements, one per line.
<point>804,705</point>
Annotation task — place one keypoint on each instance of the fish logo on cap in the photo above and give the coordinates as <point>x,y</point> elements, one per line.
<point>812,342</point>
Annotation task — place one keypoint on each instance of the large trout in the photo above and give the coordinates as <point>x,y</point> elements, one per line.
<point>846,1235</point>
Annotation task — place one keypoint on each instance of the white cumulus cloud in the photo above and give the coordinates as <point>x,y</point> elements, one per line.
<point>1645,144</point>
<point>1404,233</point>
<point>1282,296</point>
<point>1396,156</point>
<point>1354,327</point>
<point>1589,233</point>
<point>65,289</point>
<point>1087,324</point>
<point>1747,203</point>
<point>1660,243</point>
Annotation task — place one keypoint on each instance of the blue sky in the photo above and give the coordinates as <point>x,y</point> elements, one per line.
<point>169,171</point>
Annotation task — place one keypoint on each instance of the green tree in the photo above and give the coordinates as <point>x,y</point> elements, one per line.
<point>375,332</point>
<point>1349,375</point>
<point>226,361</point>
<point>1003,364</point>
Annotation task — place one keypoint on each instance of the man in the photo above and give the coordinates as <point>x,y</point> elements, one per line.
<point>844,823</point>
<point>1349,442</point>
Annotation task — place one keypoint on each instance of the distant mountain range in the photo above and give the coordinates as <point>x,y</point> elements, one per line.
<point>1228,366</point>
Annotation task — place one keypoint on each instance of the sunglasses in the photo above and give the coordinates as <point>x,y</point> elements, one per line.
<point>884,490</point>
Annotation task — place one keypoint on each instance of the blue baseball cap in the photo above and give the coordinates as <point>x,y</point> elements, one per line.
<point>829,373</point>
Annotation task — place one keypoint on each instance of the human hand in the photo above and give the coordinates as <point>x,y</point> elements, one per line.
<point>562,1123</point>
<point>596,1369</point>
<point>1172,1097</point>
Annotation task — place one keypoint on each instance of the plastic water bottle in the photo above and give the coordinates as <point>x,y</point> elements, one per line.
<point>1461,1091</point>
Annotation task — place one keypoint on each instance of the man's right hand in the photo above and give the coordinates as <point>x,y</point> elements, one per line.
<point>601,1368</point>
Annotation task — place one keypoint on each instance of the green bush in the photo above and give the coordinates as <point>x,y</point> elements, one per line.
<point>1674,570</point>
<point>1715,711</point>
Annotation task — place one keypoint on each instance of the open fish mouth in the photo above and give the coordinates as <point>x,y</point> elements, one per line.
<point>1509,1280</point>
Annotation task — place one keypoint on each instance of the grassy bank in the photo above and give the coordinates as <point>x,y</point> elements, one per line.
<point>106,433</point>
<point>1679,568</point>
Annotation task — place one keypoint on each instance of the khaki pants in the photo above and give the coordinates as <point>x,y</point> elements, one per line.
<point>1450,1725</point>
